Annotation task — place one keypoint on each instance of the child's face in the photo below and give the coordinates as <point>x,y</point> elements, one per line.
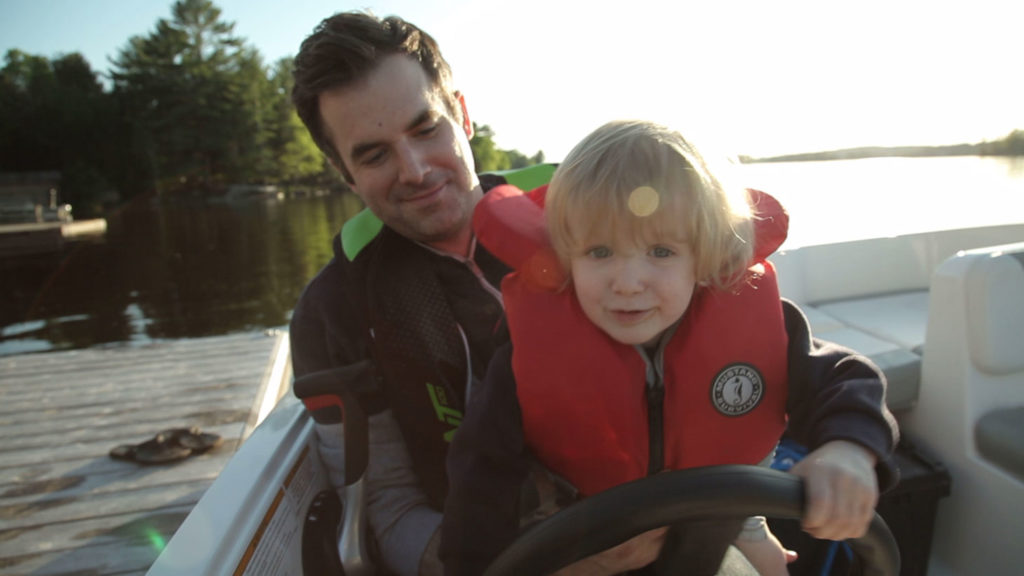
<point>631,288</point>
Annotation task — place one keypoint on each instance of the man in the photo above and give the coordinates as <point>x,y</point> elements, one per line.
<point>418,296</point>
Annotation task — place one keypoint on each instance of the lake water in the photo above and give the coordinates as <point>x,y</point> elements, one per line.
<point>167,271</point>
<point>837,201</point>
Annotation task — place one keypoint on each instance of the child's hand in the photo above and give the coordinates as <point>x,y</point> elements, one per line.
<point>768,556</point>
<point>842,490</point>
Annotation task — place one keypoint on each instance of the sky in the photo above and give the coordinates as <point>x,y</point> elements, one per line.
<point>749,77</point>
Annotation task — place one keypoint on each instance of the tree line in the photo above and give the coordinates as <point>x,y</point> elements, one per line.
<point>189,108</point>
<point>1010,145</point>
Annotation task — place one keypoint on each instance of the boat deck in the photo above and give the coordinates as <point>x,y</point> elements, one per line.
<point>66,507</point>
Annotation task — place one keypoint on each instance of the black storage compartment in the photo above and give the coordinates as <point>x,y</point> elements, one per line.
<point>909,508</point>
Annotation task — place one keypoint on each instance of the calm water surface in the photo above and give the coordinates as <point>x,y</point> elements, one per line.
<point>170,271</point>
<point>838,201</point>
<point>190,270</point>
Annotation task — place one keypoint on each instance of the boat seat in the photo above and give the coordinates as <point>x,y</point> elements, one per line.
<point>970,409</point>
<point>888,329</point>
<point>995,315</point>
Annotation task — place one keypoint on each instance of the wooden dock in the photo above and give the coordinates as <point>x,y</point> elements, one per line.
<point>33,237</point>
<point>66,507</point>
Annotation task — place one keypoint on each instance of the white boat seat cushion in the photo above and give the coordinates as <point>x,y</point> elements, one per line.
<point>995,312</point>
<point>898,318</point>
<point>888,329</point>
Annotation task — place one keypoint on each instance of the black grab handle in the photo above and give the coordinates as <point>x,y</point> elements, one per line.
<point>333,397</point>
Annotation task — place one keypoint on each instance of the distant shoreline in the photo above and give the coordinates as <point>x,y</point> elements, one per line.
<point>1013,145</point>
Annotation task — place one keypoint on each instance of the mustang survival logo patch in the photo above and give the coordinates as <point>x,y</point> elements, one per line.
<point>737,389</point>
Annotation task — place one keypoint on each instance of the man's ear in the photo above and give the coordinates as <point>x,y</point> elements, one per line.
<point>467,126</point>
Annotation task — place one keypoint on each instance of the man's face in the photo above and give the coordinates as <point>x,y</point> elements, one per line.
<point>409,160</point>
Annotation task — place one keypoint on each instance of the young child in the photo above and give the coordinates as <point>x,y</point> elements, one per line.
<point>667,347</point>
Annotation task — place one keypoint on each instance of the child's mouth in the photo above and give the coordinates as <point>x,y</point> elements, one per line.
<point>630,316</point>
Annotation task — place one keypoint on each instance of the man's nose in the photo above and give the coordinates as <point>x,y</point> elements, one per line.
<point>412,164</point>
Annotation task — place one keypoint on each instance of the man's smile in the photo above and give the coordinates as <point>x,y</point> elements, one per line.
<point>424,195</point>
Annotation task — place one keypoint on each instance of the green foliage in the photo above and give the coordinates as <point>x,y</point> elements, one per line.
<point>208,113</point>
<point>488,157</point>
<point>190,108</point>
<point>299,157</point>
<point>486,154</point>
<point>295,157</point>
<point>1011,145</point>
<point>194,88</point>
<point>54,115</point>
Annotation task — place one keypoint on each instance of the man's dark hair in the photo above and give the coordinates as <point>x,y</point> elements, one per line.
<point>344,49</point>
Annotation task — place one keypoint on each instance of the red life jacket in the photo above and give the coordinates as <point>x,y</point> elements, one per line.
<point>584,396</point>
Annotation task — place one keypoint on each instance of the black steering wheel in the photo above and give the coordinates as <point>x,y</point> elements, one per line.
<point>616,515</point>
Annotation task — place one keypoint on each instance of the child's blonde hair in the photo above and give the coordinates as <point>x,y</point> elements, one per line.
<point>645,179</point>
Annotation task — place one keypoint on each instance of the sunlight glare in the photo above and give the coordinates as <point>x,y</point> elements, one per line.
<point>643,201</point>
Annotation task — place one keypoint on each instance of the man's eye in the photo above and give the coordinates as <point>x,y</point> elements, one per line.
<point>661,252</point>
<point>599,252</point>
<point>428,130</point>
<point>373,159</point>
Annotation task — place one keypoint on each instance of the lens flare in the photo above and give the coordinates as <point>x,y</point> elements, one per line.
<point>156,539</point>
<point>643,201</point>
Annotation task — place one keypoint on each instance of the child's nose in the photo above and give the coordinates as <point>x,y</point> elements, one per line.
<point>629,278</point>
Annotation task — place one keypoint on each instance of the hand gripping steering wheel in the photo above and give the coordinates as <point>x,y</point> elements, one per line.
<point>616,515</point>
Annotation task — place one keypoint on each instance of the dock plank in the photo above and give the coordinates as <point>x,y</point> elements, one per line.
<point>39,512</point>
<point>65,505</point>
<point>97,531</point>
<point>18,477</point>
<point>120,559</point>
<point>90,477</point>
<point>140,419</point>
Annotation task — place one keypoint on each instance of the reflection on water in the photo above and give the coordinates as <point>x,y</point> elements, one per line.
<point>170,271</point>
<point>842,200</point>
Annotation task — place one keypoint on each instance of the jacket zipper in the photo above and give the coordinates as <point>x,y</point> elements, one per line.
<point>655,426</point>
<point>656,402</point>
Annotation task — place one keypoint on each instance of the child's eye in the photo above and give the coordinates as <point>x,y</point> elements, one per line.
<point>427,130</point>
<point>661,252</point>
<point>599,252</point>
